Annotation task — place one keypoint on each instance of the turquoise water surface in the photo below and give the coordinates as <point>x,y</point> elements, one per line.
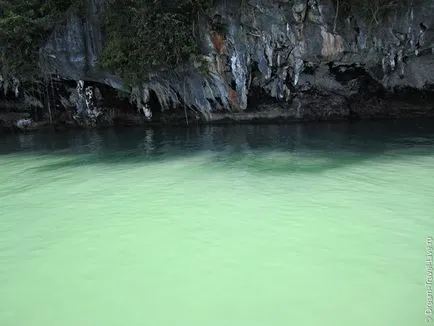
<point>315,224</point>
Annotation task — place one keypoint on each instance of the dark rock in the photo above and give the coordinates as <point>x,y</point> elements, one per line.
<point>278,60</point>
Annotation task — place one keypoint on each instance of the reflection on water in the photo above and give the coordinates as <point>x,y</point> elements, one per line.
<point>300,224</point>
<point>373,138</point>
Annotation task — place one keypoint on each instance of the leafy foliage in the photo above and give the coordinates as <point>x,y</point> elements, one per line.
<point>141,35</point>
<point>146,34</point>
<point>23,26</point>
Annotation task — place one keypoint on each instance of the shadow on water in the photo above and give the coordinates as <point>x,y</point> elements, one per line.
<point>309,147</point>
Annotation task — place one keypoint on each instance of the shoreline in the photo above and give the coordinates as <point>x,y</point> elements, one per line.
<point>222,120</point>
<point>308,109</point>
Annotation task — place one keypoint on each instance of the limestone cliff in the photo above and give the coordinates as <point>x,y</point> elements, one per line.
<point>304,59</point>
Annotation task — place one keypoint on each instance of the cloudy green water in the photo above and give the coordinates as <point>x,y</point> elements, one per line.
<point>310,224</point>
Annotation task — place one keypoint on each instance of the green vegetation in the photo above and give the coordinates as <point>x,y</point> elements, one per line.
<point>149,34</point>
<point>140,34</point>
<point>24,24</point>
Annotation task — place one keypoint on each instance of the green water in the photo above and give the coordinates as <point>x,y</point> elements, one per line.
<point>311,224</point>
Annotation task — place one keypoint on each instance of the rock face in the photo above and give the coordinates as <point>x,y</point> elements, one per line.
<point>73,49</point>
<point>295,59</point>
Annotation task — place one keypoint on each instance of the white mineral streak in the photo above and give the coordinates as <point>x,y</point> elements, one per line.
<point>332,45</point>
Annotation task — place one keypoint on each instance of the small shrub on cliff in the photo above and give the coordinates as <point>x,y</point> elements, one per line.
<point>24,24</point>
<point>148,34</point>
